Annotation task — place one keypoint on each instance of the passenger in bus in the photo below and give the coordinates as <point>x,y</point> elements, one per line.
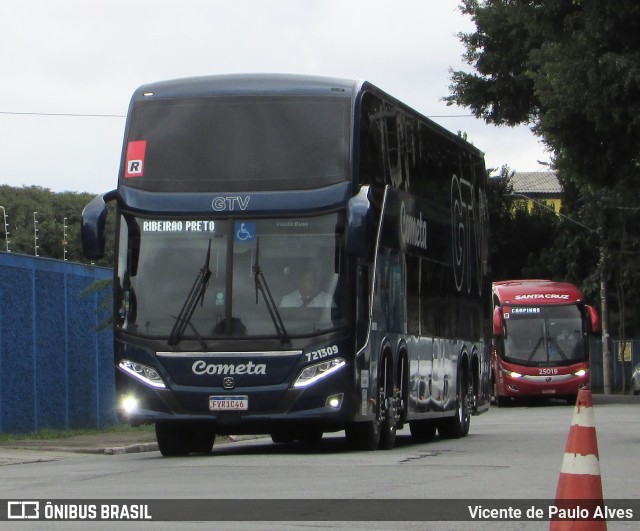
<point>566,335</point>
<point>308,293</point>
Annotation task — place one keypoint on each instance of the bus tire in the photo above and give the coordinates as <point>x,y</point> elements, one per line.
<point>282,437</point>
<point>202,438</point>
<point>310,437</point>
<point>388,425</point>
<point>423,430</point>
<point>571,400</point>
<point>364,435</point>
<point>502,401</point>
<point>174,438</point>
<point>458,425</point>
<point>387,404</point>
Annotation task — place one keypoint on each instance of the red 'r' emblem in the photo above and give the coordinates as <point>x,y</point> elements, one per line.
<point>134,160</point>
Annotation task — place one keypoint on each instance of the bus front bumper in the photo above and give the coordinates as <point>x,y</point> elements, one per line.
<point>561,385</point>
<point>326,405</point>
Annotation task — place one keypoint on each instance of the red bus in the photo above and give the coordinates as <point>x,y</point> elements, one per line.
<point>542,332</point>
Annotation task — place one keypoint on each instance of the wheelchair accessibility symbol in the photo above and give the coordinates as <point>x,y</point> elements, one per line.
<point>245,231</point>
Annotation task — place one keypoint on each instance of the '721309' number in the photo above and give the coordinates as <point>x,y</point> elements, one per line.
<point>322,353</point>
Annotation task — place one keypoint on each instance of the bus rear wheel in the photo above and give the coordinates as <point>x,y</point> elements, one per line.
<point>387,404</point>
<point>388,424</point>
<point>422,430</point>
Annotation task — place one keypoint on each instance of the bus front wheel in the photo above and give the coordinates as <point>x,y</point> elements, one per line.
<point>364,435</point>
<point>177,439</point>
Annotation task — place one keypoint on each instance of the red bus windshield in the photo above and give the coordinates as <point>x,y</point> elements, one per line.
<point>544,335</point>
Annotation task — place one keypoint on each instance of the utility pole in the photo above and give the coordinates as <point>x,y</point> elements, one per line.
<point>6,228</point>
<point>64,240</point>
<point>35,234</point>
<point>604,319</point>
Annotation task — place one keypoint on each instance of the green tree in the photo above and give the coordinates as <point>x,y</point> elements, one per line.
<point>57,219</point>
<point>571,70</point>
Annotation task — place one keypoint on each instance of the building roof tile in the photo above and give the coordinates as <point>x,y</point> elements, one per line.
<point>539,182</point>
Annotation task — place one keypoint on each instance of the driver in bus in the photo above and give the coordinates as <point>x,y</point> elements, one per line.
<point>308,293</point>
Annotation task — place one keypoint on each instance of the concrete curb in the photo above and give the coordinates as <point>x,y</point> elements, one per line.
<point>615,399</point>
<point>130,449</point>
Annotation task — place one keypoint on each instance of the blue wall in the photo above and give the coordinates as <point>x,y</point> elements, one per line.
<point>56,370</point>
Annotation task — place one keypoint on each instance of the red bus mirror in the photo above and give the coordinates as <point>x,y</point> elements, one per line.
<point>497,322</point>
<point>594,319</point>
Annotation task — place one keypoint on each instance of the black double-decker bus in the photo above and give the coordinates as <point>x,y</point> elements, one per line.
<point>295,255</point>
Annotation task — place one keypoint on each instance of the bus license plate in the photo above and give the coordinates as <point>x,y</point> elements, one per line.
<point>228,403</point>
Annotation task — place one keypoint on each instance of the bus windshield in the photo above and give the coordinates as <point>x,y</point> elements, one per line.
<point>201,278</point>
<point>239,144</point>
<point>544,335</point>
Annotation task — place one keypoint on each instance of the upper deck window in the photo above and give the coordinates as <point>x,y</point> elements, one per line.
<point>243,143</point>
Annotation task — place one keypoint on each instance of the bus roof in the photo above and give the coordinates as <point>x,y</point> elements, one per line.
<point>536,292</point>
<point>247,84</point>
<point>282,84</point>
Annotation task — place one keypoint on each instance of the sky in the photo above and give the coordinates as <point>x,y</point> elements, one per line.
<point>68,69</point>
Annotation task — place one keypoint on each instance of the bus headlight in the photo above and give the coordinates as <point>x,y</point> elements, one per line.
<point>142,372</point>
<point>580,373</point>
<point>514,374</point>
<point>313,373</point>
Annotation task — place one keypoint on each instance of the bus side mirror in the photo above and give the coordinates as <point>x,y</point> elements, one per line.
<point>356,233</point>
<point>497,322</point>
<point>94,218</point>
<point>594,319</point>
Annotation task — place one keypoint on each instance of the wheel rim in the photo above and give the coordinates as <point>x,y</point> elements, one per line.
<point>464,412</point>
<point>387,408</point>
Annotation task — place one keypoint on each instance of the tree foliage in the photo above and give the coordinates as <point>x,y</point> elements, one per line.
<point>56,216</point>
<point>571,70</point>
<point>518,237</point>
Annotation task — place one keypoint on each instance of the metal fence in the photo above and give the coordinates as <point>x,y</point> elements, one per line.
<point>56,369</point>
<point>624,357</point>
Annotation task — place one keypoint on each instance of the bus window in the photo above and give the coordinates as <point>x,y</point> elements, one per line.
<point>242,143</point>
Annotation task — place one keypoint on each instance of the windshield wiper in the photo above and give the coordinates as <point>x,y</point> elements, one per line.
<point>535,349</point>
<point>556,348</point>
<point>195,295</point>
<point>263,287</point>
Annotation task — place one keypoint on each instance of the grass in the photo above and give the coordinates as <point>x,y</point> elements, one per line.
<point>62,434</point>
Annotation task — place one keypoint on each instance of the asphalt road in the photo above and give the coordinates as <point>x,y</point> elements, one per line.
<point>512,453</point>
